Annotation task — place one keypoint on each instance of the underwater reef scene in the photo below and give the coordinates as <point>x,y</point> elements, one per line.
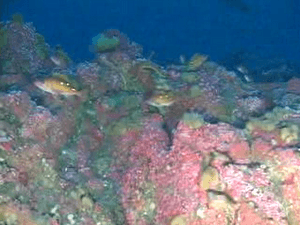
<point>121,140</point>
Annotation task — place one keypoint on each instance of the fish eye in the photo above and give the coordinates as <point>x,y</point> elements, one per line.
<point>68,84</point>
<point>62,83</point>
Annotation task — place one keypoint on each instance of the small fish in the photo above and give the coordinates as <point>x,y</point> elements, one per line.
<point>196,61</point>
<point>281,69</point>
<point>245,72</point>
<point>57,86</point>
<point>291,117</point>
<point>182,59</point>
<point>60,58</point>
<point>57,61</point>
<point>161,100</point>
<point>242,69</point>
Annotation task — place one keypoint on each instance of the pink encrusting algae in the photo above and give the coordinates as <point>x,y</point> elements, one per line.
<point>37,125</point>
<point>19,103</point>
<point>174,192</point>
<point>174,178</point>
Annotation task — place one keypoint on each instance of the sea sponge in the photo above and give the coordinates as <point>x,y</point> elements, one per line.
<point>3,37</point>
<point>195,91</point>
<point>190,77</point>
<point>18,18</point>
<point>178,220</point>
<point>270,120</point>
<point>210,178</point>
<point>41,47</point>
<point>105,44</point>
<point>14,214</point>
<point>290,134</point>
<point>220,202</point>
<point>264,125</point>
<point>193,120</point>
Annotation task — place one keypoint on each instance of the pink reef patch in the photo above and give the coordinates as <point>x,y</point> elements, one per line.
<point>37,124</point>
<point>20,105</point>
<point>175,175</point>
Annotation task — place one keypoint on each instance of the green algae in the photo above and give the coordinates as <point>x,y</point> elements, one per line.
<point>67,157</point>
<point>190,77</point>
<point>103,44</point>
<point>62,55</point>
<point>46,200</point>
<point>9,117</point>
<point>101,160</point>
<point>41,47</point>
<point>18,18</point>
<point>6,161</point>
<point>279,119</point>
<point>47,176</point>
<point>11,219</point>
<point>13,191</point>
<point>85,112</point>
<point>131,102</point>
<point>111,212</point>
<point>109,199</point>
<point>195,91</point>
<point>179,220</point>
<point>121,126</point>
<point>149,211</point>
<point>8,189</point>
<point>132,120</point>
<point>3,38</point>
<point>193,120</point>
<point>132,84</point>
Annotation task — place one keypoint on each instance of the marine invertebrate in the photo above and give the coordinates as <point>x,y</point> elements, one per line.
<point>281,127</point>
<point>3,37</point>
<point>210,179</point>
<point>290,134</point>
<point>102,43</point>
<point>14,214</point>
<point>190,77</point>
<point>41,47</point>
<point>179,220</point>
<point>131,49</point>
<point>195,91</point>
<point>193,120</point>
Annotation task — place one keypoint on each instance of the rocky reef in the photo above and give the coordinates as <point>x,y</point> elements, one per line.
<point>122,140</point>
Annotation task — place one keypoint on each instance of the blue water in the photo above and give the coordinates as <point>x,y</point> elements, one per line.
<point>169,28</point>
